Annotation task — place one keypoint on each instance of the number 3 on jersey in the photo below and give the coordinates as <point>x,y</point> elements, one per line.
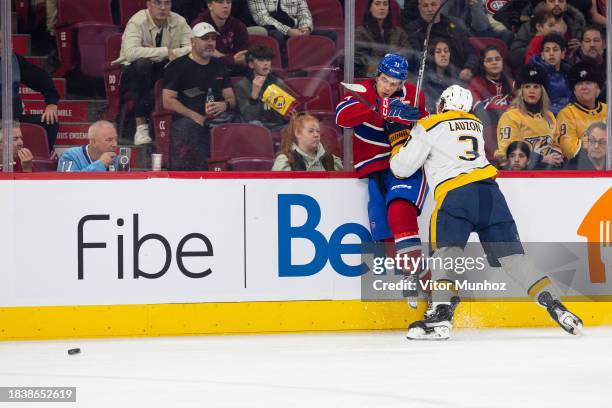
<point>470,155</point>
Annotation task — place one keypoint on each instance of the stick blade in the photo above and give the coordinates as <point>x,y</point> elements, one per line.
<point>354,87</point>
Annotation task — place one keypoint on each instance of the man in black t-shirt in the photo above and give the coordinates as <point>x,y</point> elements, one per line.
<point>187,82</point>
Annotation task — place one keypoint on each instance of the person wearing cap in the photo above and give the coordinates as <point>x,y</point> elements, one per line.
<point>250,89</point>
<point>233,38</point>
<point>188,82</point>
<point>585,81</point>
<point>152,37</point>
<point>529,119</point>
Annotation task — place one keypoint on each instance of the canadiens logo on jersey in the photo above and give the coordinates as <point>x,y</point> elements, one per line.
<point>493,6</point>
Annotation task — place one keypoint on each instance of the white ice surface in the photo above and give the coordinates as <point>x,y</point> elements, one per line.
<point>477,368</point>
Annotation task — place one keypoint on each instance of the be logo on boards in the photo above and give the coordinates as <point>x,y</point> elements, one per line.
<point>595,227</point>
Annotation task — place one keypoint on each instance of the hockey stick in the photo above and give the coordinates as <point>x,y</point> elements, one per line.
<point>421,76</point>
<point>355,90</point>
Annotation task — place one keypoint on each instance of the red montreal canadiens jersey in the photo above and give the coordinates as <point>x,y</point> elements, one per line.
<point>371,149</point>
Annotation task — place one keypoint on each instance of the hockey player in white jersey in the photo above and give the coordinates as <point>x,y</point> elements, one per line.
<point>450,146</point>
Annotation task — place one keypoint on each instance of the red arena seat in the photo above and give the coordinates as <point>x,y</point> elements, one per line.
<point>70,13</point>
<point>127,8</point>
<point>309,51</point>
<point>234,140</point>
<point>313,93</point>
<point>35,139</point>
<point>250,164</point>
<point>91,44</point>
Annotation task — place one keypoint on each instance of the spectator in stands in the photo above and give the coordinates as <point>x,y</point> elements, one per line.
<point>233,39</point>
<point>440,72</point>
<point>377,37</point>
<point>464,57</point>
<point>585,80</point>
<point>492,87</point>
<point>592,156</point>
<point>529,119</point>
<point>249,91</point>
<point>542,24</point>
<point>518,155</point>
<point>152,37</point>
<point>22,156</point>
<point>551,60</point>
<point>598,12</point>
<point>282,19</point>
<point>301,147</point>
<point>96,156</point>
<point>499,29</point>
<point>569,19</point>
<point>38,79</point>
<point>469,14</point>
<point>188,81</point>
<point>592,48</point>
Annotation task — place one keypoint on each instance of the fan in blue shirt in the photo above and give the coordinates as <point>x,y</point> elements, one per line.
<point>97,155</point>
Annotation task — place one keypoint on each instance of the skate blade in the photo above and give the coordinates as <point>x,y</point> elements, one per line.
<point>437,333</point>
<point>412,302</point>
<point>574,326</point>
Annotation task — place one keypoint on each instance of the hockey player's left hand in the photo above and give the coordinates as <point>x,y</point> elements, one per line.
<point>396,111</point>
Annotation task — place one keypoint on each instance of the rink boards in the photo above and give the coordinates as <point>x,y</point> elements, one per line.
<point>168,254</point>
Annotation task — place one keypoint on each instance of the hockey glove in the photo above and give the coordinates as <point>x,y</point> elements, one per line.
<point>397,133</point>
<point>396,111</point>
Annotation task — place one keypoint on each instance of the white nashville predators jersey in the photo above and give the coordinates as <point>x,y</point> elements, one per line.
<point>451,147</point>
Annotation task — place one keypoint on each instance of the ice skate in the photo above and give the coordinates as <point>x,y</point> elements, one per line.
<point>566,319</point>
<point>411,295</point>
<point>437,325</point>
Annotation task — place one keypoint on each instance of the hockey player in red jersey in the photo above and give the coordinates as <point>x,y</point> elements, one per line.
<point>380,119</point>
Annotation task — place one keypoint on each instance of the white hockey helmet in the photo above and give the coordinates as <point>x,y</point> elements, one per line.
<point>455,98</point>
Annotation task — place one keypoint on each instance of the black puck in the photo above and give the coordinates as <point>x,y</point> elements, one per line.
<point>74,351</point>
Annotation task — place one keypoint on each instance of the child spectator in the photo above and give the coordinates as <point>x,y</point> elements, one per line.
<point>377,37</point>
<point>250,89</point>
<point>543,23</point>
<point>551,59</point>
<point>518,155</point>
<point>492,87</point>
<point>301,148</point>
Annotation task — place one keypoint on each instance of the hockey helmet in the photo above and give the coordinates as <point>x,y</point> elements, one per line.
<point>455,98</point>
<point>393,65</point>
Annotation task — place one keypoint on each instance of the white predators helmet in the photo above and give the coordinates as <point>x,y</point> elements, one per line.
<point>455,98</point>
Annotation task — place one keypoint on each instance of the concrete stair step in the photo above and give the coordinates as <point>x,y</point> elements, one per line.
<point>69,110</point>
<point>38,60</point>
<point>29,94</point>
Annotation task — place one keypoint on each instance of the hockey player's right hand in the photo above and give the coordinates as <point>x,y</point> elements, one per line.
<point>397,133</point>
<point>396,111</point>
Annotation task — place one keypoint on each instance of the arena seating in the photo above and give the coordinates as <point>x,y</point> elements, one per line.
<point>73,13</point>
